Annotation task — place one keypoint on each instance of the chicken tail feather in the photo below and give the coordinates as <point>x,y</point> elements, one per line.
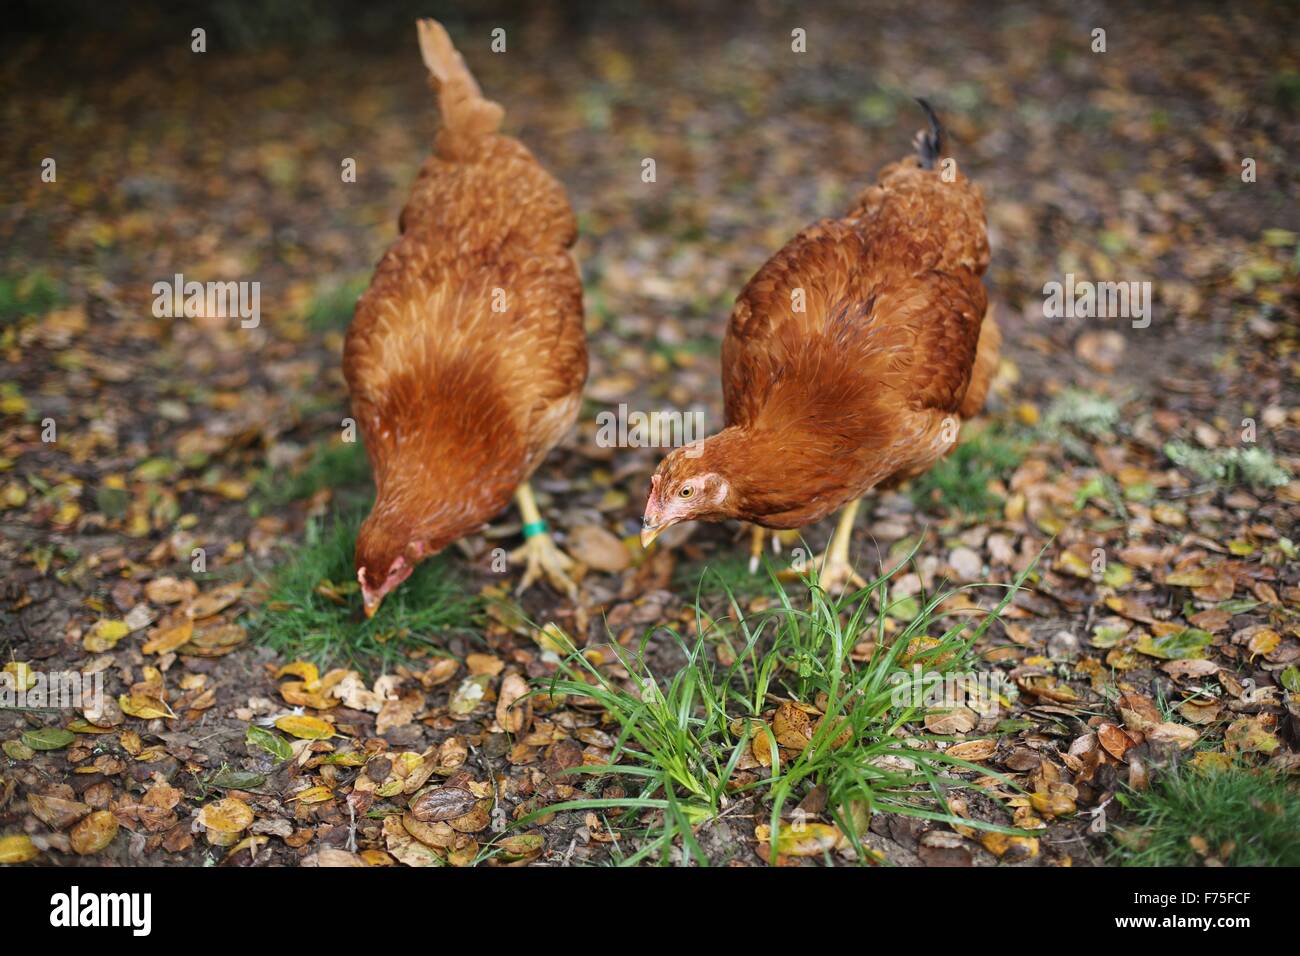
<point>466,115</point>
<point>929,143</point>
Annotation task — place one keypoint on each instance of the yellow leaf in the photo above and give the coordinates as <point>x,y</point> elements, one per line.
<point>225,820</point>
<point>1264,641</point>
<point>304,669</point>
<point>144,706</point>
<point>312,795</point>
<point>1211,760</point>
<point>1071,563</point>
<point>552,638</point>
<point>164,639</point>
<point>296,693</point>
<point>1190,579</point>
<point>106,633</point>
<point>13,495</point>
<point>1016,847</point>
<point>232,488</point>
<point>1052,804</point>
<point>305,728</point>
<point>216,600</point>
<point>801,839</point>
<point>353,758</point>
<point>93,833</point>
<point>17,849</point>
<point>24,676</point>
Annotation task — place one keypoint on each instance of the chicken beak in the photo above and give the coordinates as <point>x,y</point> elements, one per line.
<point>653,522</point>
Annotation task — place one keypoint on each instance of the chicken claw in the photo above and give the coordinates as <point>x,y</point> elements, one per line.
<point>539,553</point>
<point>540,556</point>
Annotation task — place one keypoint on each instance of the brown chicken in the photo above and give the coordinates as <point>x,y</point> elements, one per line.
<point>466,357</point>
<point>850,360</point>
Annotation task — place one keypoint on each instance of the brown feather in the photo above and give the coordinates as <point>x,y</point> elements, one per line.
<point>459,403</point>
<point>854,390</point>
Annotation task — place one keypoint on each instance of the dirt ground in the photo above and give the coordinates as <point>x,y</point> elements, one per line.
<point>1117,166</point>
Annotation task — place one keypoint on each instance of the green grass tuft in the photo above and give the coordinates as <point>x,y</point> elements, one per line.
<point>679,740</point>
<point>960,482</point>
<point>1245,818</point>
<point>331,309</point>
<point>719,577</point>
<point>32,294</point>
<point>300,622</point>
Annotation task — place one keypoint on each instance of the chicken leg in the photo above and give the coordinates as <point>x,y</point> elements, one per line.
<point>834,571</point>
<point>539,553</point>
<point>757,535</point>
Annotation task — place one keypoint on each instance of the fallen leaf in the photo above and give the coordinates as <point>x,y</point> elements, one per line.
<point>17,848</point>
<point>272,743</point>
<point>598,549</point>
<point>1180,735</point>
<point>56,812</point>
<point>955,720</point>
<point>514,706</point>
<point>224,820</point>
<point>144,706</point>
<point>792,726</point>
<point>215,601</point>
<point>801,839</point>
<point>441,804</point>
<point>48,738</point>
<point>1250,735</point>
<point>105,634</point>
<point>973,750</point>
<point>169,636</point>
<point>94,833</point>
<point>305,728</point>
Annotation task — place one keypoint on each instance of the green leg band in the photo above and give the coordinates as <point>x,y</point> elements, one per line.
<point>534,528</point>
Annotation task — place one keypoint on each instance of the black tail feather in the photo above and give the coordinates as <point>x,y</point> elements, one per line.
<point>929,144</point>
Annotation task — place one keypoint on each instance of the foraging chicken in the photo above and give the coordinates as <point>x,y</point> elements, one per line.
<point>466,357</point>
<point>849,362</point>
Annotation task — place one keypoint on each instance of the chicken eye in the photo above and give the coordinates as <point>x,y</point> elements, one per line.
<point>687,491</point>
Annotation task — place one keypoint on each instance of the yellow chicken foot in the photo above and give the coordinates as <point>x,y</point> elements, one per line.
<point>834,572</point>
<point>539,554</point>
